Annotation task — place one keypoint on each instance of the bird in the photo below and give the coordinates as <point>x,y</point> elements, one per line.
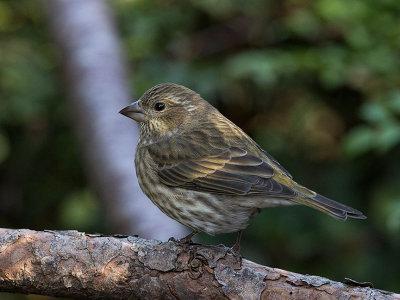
<point>205,172</point>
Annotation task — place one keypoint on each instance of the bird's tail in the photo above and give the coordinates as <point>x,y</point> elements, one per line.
<point>335,209</point>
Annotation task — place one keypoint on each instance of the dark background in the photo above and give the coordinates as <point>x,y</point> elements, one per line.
<point>313,82</point>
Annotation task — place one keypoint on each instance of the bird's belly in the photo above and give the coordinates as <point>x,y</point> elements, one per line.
<point>200,211</point>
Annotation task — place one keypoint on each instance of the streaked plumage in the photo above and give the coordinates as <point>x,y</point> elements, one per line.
<point>203,171</point>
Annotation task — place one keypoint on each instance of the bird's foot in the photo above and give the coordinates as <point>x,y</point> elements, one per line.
<point>185,240</point>
<point>235,250</point>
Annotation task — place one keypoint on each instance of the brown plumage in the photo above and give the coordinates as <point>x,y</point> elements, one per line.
<point>203,171</point>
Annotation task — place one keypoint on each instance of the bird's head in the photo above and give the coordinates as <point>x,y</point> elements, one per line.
<point>166,109</point>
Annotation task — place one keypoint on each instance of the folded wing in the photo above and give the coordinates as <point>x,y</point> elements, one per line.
<point>231,172</point>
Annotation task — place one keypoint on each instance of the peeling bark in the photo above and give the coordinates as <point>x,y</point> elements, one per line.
<point>79,265</point>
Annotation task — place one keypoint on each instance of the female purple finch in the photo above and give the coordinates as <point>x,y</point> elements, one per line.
<point>206,173</point>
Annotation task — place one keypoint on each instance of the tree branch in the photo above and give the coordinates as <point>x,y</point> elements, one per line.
<point>74,264</point>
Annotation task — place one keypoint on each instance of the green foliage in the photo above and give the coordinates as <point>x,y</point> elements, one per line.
<point>81,211</point>
<point>314,82</point>
<point>39,161</point>
<point>381,128</point>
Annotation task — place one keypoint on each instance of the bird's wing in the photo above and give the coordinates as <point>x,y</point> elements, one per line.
<point>227,170</point>
<point>275,162</point>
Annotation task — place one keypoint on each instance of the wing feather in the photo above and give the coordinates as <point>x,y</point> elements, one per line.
<point>229,171</point>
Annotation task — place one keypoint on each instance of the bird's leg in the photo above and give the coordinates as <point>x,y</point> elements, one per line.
<point>236,247</point>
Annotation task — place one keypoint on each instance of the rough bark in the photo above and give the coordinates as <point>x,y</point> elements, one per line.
<point>74,264</point>
<point>97,90</point>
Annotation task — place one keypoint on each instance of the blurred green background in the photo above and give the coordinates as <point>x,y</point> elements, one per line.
<point>316,83</point>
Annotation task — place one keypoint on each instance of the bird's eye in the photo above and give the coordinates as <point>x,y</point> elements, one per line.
<point>159,106</point>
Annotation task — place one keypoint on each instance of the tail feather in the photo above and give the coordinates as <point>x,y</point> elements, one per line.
<point>335,209</point>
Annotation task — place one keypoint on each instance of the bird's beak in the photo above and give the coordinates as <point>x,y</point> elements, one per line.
<point>134,111</point>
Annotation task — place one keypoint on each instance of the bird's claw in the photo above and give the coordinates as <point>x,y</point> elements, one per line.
<point>235,251</point>
<point>187,240</point>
